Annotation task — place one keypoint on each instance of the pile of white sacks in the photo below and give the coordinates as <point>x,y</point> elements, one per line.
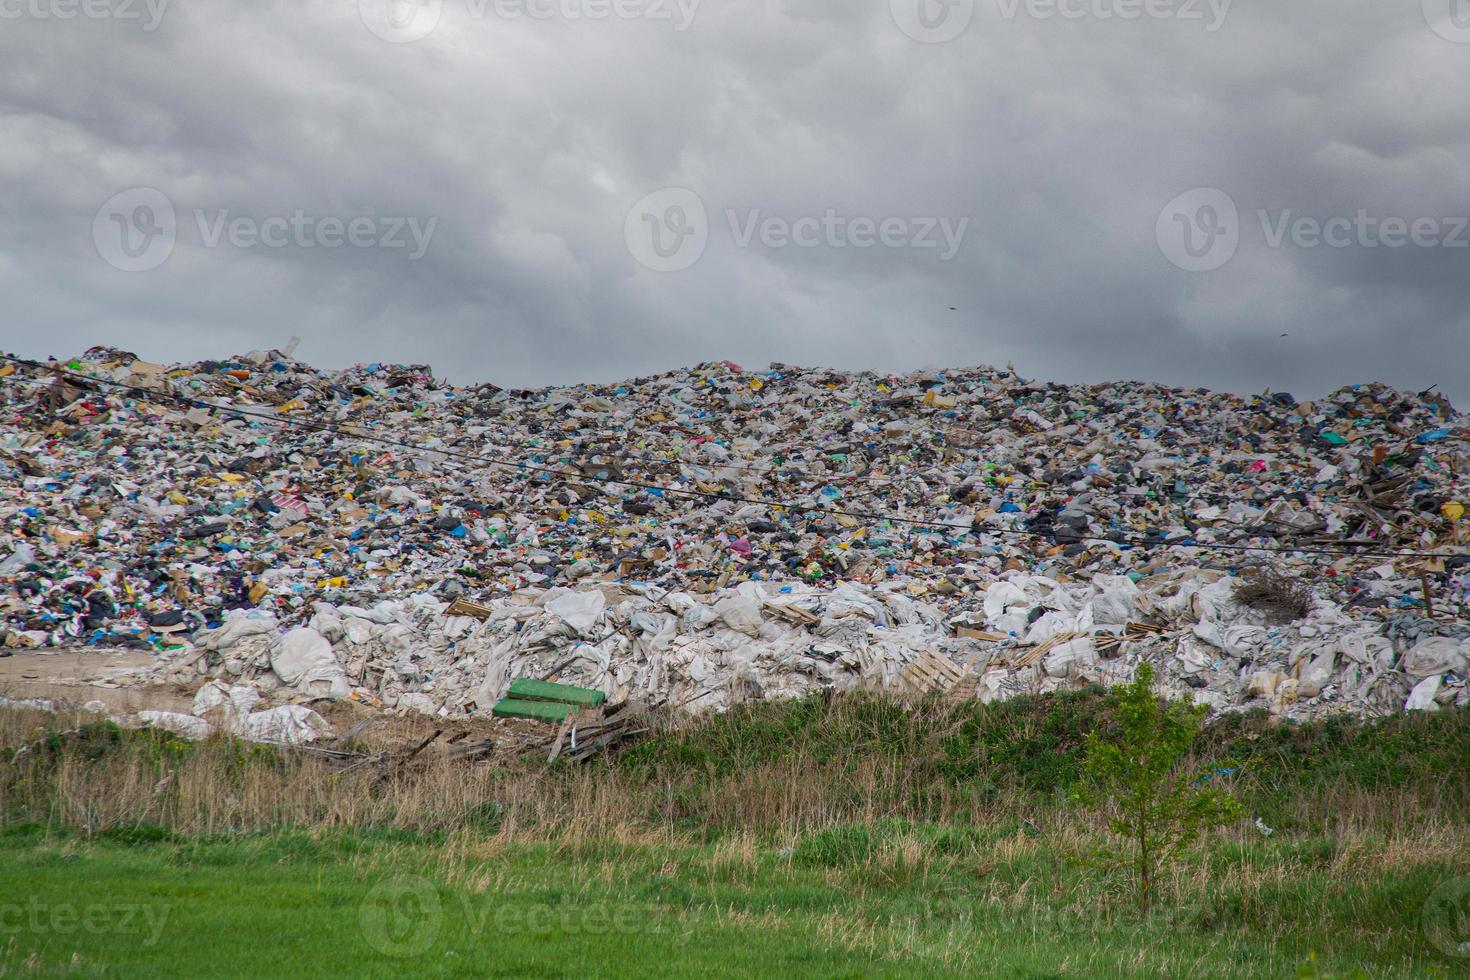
<point>226,709</point>
<point>761,640</point>
<point>230,709</point>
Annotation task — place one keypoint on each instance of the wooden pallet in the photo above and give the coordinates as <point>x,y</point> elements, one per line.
<point>930,673</point>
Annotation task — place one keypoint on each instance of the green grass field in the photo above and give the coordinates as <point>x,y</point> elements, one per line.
<point>896,900</point>
<point>846,838</point>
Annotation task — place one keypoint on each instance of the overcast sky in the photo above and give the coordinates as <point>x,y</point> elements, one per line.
<point>554,191</point>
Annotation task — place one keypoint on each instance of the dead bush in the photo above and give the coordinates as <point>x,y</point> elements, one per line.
<point>1268,591</point>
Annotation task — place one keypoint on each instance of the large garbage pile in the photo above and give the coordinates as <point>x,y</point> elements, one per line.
<point>712,535</point>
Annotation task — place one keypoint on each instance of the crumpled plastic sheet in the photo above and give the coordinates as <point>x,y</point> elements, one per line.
<point>747,643</point>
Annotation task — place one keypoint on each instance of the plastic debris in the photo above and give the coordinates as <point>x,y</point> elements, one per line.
<point>714,535</point>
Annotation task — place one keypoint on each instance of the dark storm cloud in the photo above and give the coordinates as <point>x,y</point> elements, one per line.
<point>1054,135</point>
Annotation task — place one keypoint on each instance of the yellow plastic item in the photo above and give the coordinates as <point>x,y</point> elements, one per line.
<point>1453,510</point>
<point>935,400</point>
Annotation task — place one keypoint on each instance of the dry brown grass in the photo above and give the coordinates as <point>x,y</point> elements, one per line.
<point>222,786</point>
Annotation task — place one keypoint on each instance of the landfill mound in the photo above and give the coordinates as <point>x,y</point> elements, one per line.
<point>714,535</point>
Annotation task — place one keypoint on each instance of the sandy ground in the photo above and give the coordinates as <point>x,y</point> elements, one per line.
<point>72,677</point>
<point>81,675</point>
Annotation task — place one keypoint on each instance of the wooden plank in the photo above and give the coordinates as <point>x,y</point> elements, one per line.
<point>463,607</point>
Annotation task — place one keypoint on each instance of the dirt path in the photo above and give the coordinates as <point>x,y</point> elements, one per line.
<point>73,675</point>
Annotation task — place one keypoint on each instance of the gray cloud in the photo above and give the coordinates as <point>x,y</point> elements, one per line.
<point>1059,139</point>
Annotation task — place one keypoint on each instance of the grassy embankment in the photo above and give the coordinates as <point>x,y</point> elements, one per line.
<point>850,838</point>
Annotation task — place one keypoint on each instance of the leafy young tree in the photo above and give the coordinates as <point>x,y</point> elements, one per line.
<point>1135,778</point>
